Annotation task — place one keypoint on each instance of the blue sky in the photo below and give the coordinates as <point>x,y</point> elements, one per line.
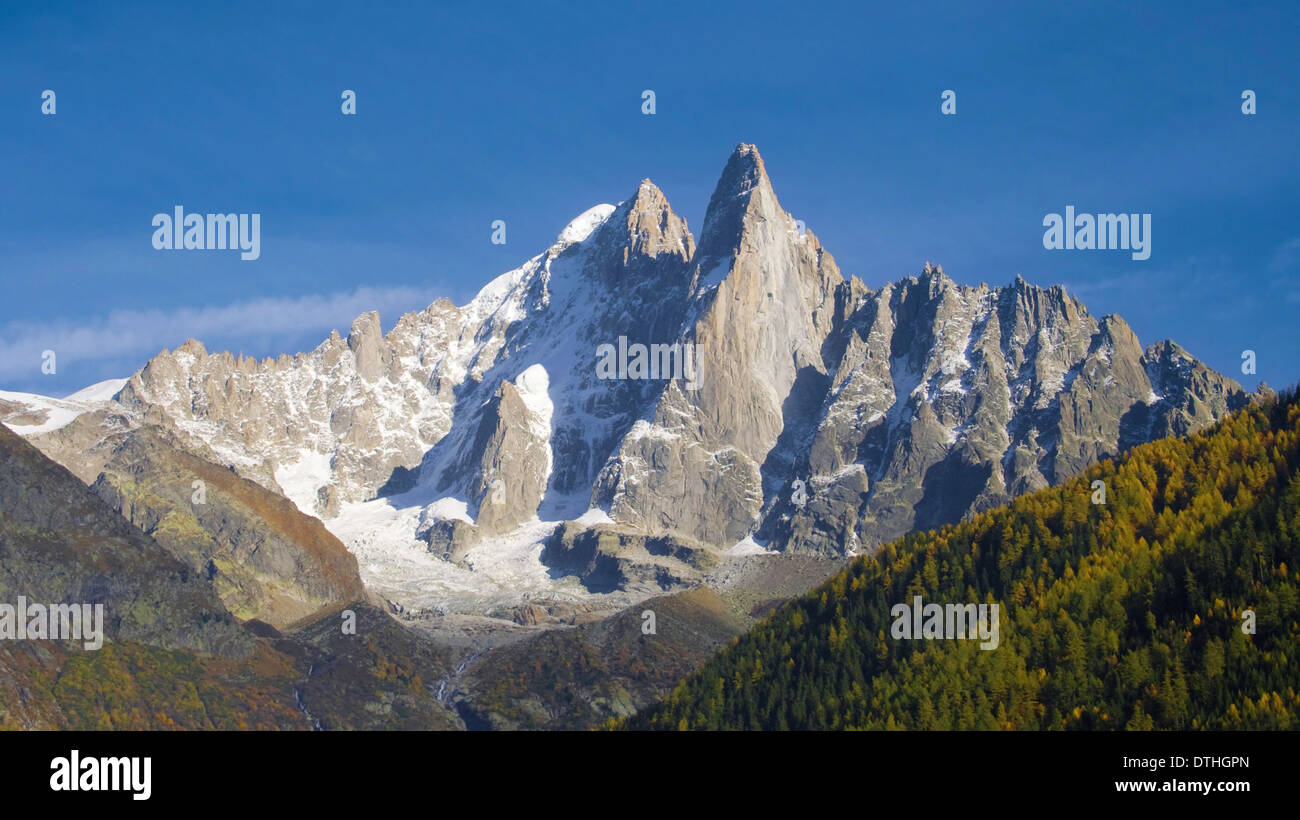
<point>531,113</point>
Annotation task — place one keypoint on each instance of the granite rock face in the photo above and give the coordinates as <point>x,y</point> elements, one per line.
<point>762,306</point>
<point>948,399</point>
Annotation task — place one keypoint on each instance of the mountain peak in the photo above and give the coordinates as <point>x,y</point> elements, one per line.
<point>747,151</point>
<point>733,199</point>
<point>648,198</point>
<point>652,226</point>
<point>933,277</point>
<point>744,172</point>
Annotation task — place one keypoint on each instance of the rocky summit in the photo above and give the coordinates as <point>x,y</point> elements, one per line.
<point>458,452</point>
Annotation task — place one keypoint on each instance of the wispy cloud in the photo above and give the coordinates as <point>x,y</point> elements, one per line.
<point>1282,265</point>
<point>136,335</point>
<point>1286,257</point>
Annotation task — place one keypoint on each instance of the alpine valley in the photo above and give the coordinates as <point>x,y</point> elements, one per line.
<point>499,514</point>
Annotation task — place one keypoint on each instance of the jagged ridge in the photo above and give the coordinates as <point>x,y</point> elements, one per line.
<point>911,405</point>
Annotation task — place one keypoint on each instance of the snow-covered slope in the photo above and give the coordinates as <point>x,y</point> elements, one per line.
<point>29,414</point>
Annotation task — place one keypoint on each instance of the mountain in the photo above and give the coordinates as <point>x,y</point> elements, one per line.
<point>29,414</point>
<point>172,655</point>
<point>1171,604</point>
<point>60,543</point>
<point>729,395</point>
<point>265,558</point>
<point>628,414</point>
<point>945,400</point>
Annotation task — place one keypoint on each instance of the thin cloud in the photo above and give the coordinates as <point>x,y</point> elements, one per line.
<point>1285,257</point>
<point>136,335</point>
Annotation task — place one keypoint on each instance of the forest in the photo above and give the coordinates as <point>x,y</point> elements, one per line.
<point>1168,601</point>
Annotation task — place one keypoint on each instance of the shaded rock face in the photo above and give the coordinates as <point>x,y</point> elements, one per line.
<point>265,558</point>
<point>606,558</point>
<point>61,544</point>
<point>821,415</point>
<point>948,399</point>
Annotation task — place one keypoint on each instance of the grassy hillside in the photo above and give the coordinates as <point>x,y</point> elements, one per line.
<point>1127,614</point>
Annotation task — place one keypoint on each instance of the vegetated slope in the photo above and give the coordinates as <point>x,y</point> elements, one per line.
<point>577,678</point>
<point>60,543</point>
<point>1127,614</point>
<point>314,678</point>
<point>265,559</point>
<point>173,656</point>
<point>383,677</point>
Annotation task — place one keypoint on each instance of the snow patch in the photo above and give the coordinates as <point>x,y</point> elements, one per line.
<point>644,429</point>
<point>445,509</point>
<point>60,413</point>
<point>714,276</point>
<point>500,571</point>
<point>584,223</point>
<point>533,385</point>
<point>55,418</point>
<point>593,516</point>
<point>301,481</point>
<point>748,546</point>
<point>100,391</point>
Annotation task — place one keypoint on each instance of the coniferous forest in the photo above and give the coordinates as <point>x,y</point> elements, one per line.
<point>1172,605</point>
